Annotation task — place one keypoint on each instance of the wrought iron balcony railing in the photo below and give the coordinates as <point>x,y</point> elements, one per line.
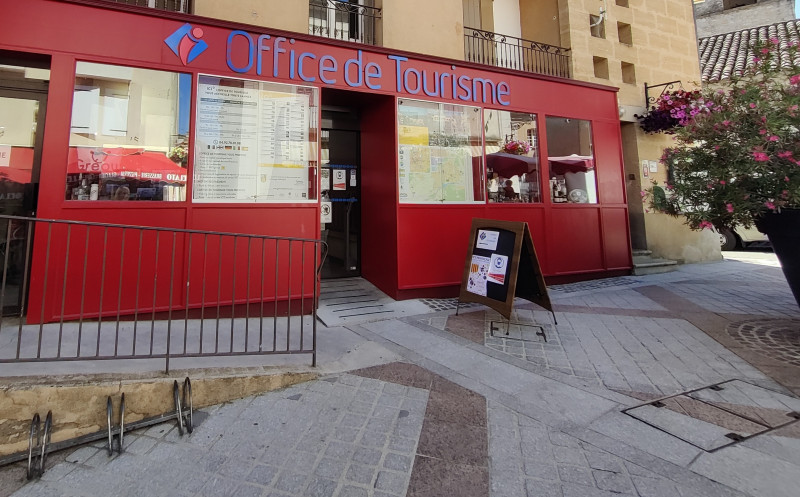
<point>494,49</point>
<point>184,6</point>
<point>350,20</point>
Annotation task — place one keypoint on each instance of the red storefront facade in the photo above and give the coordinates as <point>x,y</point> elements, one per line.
<point>405,247</point>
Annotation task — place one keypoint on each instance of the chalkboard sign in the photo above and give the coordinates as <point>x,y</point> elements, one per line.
<point>502,264</point>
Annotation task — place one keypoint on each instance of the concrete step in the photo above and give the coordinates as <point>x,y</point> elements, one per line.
<point>644,264</point>
<point>641,252</point>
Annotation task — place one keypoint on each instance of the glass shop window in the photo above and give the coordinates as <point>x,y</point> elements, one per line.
<point>255,141</point>
<point>129,134</point>
<point>512,157</point>
<point>440,153</point>
<point>571,161</point>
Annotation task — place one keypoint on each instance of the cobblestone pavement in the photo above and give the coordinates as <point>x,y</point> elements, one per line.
<point>344,435</point>
<point>471,414</point>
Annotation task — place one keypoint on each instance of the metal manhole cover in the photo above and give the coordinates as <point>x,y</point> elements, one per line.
<point>777,339</point>
<point>719,415</point>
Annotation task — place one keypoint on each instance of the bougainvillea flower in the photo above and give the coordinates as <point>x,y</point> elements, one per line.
<point>760,157</point>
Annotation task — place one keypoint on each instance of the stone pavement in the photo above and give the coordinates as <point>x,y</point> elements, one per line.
<point>437,406</point>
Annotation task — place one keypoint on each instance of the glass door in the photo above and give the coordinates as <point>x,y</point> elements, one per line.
<point>21,128</point>
<point>341,208</point>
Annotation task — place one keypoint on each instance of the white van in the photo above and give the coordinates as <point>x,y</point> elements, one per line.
<point>740,237</point>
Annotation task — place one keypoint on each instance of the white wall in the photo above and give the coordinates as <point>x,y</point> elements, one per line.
<point>506,18</point>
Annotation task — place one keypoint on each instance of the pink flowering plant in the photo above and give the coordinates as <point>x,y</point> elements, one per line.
<point>740,157</point>
<point>672,110</point>
<point>516,147</point>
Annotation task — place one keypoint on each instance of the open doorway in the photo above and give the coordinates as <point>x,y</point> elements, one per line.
<point>340,190</point>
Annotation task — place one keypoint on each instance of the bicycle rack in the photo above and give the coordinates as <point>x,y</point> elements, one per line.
<point>183,416</point>
<point>37,454</point>
<point>119,431</point>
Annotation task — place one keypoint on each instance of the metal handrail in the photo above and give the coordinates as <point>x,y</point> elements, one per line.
<point>72,286</point>
<point>343,20</point>
<point>510,52</point>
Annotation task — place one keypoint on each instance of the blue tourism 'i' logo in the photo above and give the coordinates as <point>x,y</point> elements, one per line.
<point>186,43</point>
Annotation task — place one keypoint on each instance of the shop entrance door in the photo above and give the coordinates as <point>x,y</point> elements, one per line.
<point>341,197</point>
<point>22,111</point>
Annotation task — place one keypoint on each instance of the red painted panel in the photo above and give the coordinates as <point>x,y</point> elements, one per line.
<point>576,240</point>
<point>608,152</point>
<point>379,194</point>
<point>433,244</point>
<point>298,221</point>
<point>615,238</point>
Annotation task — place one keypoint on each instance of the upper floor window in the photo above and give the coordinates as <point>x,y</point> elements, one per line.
<point>350,20</point>
<point>733,4</point>
<point>169,5</point>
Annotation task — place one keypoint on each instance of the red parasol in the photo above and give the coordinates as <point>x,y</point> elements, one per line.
<point>20,166</point>
<point>571,164</point>
<point>134,163</point>
<point>508,165</point>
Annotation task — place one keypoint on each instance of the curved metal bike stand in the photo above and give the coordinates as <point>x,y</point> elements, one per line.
<point>39,437</point>
<point>48,428</point>
<point>183,406</point>
<point>121,421</point>
<point>187,401</point>
<point>109,412</point>
<point>118,430</point>
<point>178,411</point>
<point>35,430</point>
<point>37,453</point>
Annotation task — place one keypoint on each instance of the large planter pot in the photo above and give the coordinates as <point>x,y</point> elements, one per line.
<point>783,231</point>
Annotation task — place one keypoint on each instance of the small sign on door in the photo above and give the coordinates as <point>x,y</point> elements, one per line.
<point>340,179</point>
<point>326,212</point>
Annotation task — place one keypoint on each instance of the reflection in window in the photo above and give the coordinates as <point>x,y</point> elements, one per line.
<point>128,134</point>
<point>512,156</point>
<point>440,152</point>
<point>571,159</point>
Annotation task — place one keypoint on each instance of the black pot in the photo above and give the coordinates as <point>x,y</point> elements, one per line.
<point>783,231</point>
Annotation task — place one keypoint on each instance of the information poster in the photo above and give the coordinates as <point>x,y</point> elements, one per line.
<point>325,181</point>
<point>435,153</point>
<point>497,269</point>
<point>340,179</point>
<point>252,142</point>
<point>478,271</point>
<point>487,240</point>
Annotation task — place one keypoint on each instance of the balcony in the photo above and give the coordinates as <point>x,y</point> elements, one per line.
<point>184,6</point>
<point>349,20</point>
<point>494,49</point>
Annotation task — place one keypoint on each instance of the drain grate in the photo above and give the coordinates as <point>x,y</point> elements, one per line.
<point>719,415</point>
<point>447,304</point>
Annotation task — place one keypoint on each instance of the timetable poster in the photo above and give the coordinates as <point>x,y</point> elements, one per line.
<point>283,146</point>
<point>226,140</point>
<point>252,144</point>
